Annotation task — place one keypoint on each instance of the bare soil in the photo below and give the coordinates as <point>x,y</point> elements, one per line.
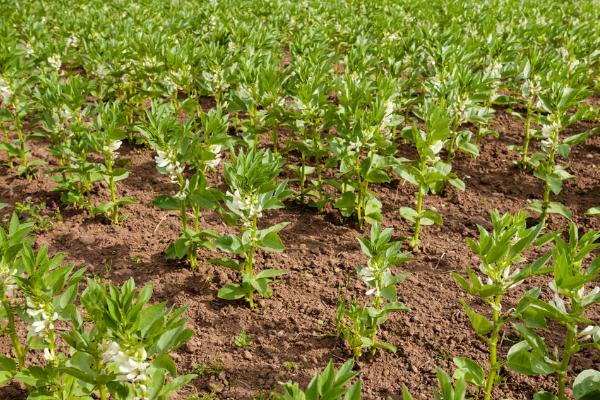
<point>292,331</point>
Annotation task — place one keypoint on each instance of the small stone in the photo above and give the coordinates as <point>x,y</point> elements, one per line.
<point>247,355</point>
<point>87,239</point>
<point>191,346</point>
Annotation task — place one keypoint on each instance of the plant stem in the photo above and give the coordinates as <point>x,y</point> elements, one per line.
<point>376,306</point>
<point>197,214</point>
<point>415,240</point>
<point>452,148</point>
<point>302,177</point>
<point>103,393</point>
<point>113,195</point>
<point>524,154</point>
<point>7,142</point>
<point>250,262</point>
<point>549,170</point>
<point>12,330</point>
<point>570,348</point>
<point>317,155</point>
<point>275,139</point>
<point>493,360</point>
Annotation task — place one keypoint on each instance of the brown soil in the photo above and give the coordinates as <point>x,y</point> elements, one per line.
<point>292,329</point>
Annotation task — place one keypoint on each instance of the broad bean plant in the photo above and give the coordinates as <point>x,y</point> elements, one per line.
<point>359,324</point>
<point>114,344</point>
<point>253,190</point>
<point>575,269</point>
<point>429,172</point>
<point>500,253</point>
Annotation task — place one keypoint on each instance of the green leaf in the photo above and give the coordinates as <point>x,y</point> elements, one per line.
<point>165,202</point>
<point>269,273</point>
<point>231,292</point>
<point>409,214</point>
<point>354,393</point>
<point>406,394</point>
<point>481,324</point>
<point>558,208</point>
<point>271,241</point>
<point>226,262</point>
<point>430,217</point>
<point>8,368</point>
<point>522,360</point>
<point>594,212</point>
<point>578,138</point>
<point>165,362</point>
<point>385,346</point>
<point>469,370</point>
<point>587,385</point>
<point>544,396</point>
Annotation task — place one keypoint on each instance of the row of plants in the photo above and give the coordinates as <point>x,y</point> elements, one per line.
<point>347,112</point>
<point>112,343</point>
<point>341,97</point>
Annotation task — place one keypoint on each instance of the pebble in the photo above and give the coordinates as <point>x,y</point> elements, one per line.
<point>87,239</point>
<point>247,355</point>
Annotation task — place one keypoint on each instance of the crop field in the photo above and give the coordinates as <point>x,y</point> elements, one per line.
<point>300,199</point>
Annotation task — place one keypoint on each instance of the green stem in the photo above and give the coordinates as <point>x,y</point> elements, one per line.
<point>569,349</point>
<point>275,139</point>
<point>524,155</point>
<point>302,177</point>
<point>22,148</point>
<point>103,393</point>
<point>452,148</point>
<point>12,330</point>
<point>197,214</point>
<point>415,240</point>
<point>495,336</point>
<point>250,262</point>
<point>318,166</point>
<point>549,170</point>
<point>377,304</point>
<point>7,141</point>
<point>113,194</point>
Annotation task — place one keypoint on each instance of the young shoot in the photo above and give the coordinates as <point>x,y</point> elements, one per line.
<point>429,172</point>
<point>557,102</point>
<point>179,147</point>
<point>500,253</point>
<point>108,140</point>
<point>366,119</point>
<point>253,189</point>
<point>331,384</point>
<point>575,268</point>
<point>359,324</point>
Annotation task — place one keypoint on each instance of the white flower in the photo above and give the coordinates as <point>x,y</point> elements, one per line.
<point>354,146</point>
<point>184,191</point>
<point>48,355</point>
<point>546,130</point>
<point>72,41</point>
<point>588,332</point>
<point>573,64</point>
<point>247,205</point>
<point>216,150</point>
<point>165,161</point>
<point>55,61</point>
<point>6,276</point>
<point>111,349</point>
<point>5,91</point>
<point>43,326</point>
<point>101,71</point>
<point>28,49</point>
<point>130,365</point>
<point>112,148</point>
